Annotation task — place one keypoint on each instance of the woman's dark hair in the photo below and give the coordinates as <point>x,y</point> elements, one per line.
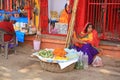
<point>21,7</point>
<point>67,11</point>
<point>88,26</point>
<point>6,18</point>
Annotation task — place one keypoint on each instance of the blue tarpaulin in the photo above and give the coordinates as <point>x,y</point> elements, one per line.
<point>2,11</point>
<point>20,36</point>
<point>20,19</point>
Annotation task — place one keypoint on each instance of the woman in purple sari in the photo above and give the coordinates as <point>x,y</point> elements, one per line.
<point>86,42</point>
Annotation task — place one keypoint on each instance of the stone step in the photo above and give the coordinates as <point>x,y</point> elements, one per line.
<point>49,41</point>
<point>111,53</point>
<point>108,47</point>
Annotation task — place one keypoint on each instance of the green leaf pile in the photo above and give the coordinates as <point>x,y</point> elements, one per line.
<point>46,53</point>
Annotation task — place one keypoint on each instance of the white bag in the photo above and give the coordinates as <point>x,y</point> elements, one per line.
<point>97,62</point>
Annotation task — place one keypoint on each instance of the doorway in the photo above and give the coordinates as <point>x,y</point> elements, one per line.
<point>55,10</point>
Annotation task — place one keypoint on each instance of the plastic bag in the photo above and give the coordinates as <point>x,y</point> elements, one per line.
<point>97,62</point>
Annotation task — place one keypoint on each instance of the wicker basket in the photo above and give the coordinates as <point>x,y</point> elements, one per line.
<point>54,67</point>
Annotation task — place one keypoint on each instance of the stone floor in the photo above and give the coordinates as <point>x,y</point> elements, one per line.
<point>21,66</point>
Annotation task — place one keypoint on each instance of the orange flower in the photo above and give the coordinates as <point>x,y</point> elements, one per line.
<point>59,52</point>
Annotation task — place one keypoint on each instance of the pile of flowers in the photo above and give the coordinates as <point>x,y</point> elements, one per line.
<point>58,54</point>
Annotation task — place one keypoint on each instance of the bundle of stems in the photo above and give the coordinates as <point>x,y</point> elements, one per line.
<point>71,24</point>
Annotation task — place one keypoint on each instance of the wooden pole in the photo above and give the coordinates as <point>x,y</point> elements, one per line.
<point>0,4</point>
<point>11,5</point>
<point>39,26</point>
<point>71,24</point>
<point>38,35</point>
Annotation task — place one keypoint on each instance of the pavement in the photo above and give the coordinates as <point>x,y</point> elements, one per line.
<point>21,66</point>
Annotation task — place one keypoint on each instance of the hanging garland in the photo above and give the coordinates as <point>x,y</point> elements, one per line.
<point>69,11</point>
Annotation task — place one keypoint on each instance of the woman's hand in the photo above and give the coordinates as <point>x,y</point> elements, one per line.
<point>75,40</point>
<point>82,42</point>
<point>78,41</point>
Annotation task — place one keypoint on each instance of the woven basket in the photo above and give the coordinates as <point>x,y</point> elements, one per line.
<point>54,67</point>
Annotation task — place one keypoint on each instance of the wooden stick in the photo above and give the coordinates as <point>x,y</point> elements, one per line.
<point>71,24</point>
<point>0,4</point>
<point>39,25</point>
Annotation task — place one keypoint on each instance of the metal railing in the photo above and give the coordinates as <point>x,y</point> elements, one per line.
<point>105,15</point>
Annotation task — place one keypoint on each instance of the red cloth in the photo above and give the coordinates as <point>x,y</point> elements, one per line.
<point>96,39</point>
<point>81,15</point>
<point>29,9</point>
<point>7,26</point>
<point>43,23</point>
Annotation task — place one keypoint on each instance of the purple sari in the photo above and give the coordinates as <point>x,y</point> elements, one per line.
<point>87,48</point>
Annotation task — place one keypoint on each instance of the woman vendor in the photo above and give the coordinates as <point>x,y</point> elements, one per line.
<point>64,13</point>
<point>7,26</point>
<point>86,42</point>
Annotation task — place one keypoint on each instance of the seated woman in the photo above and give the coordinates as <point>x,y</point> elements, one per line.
<point>63,17</point>
<point>64,13</point>
<point>86,42</point>
<point>7,26</point>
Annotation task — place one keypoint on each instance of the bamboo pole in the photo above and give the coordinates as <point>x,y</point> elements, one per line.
<point>71,24</point>
<point>11,5</point>
<point>38,35</point>
<point>39,24</point>
<point>0,4</point>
